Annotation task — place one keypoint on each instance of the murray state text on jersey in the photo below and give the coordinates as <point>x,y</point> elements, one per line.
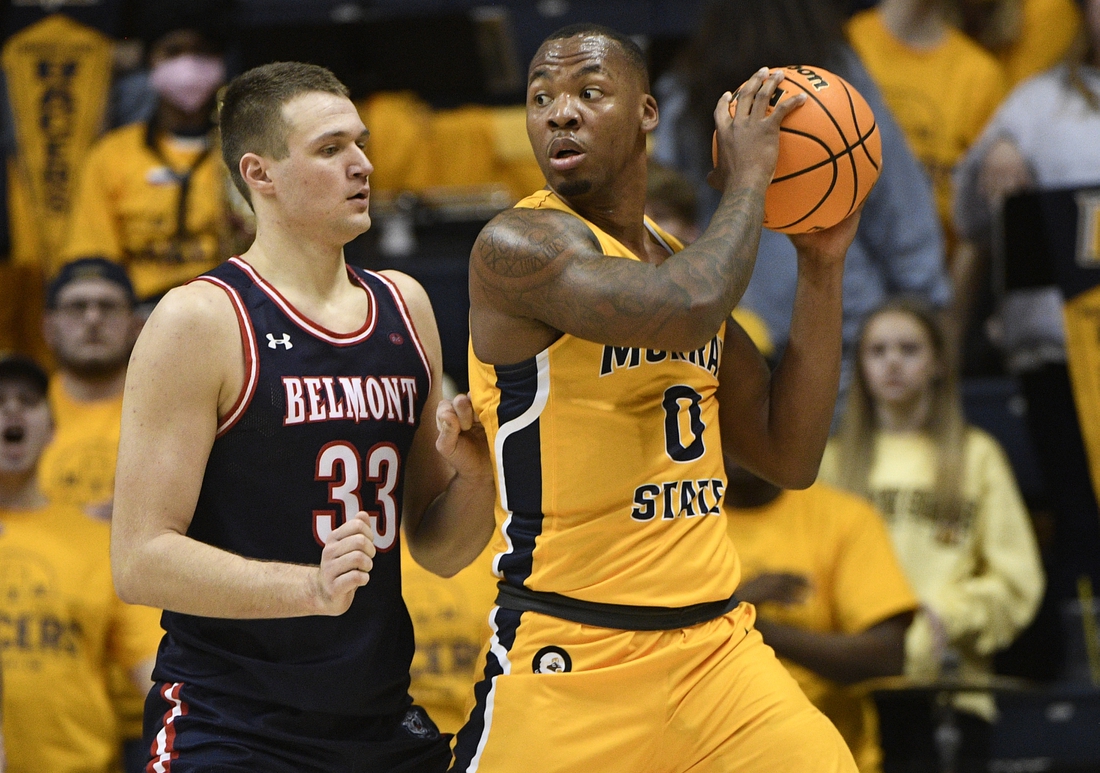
<point>708,357</point>
<point>311,399</point>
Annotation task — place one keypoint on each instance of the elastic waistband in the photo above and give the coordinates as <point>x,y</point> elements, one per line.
<point>623,617</point>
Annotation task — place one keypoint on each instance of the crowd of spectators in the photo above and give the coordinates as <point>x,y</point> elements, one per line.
<point>922,560</point>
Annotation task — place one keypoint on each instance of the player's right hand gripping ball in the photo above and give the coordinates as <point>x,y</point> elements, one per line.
<point>830,152</point>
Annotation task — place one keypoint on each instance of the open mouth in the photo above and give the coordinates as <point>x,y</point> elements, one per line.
<point>14,434</point>
<point>564,154</point>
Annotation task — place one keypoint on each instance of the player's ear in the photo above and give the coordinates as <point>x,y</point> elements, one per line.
<point>650,116</point>
<point>254,172</point>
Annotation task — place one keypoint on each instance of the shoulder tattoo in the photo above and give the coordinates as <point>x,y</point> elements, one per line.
<point>521,243</point>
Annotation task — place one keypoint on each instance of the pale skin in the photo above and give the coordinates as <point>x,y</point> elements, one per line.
<point>90,332</point>
<point>188,369</point>
<point>25,414</point>
<point>536,275</point>
<point>899,363</point>
<point>919,23</point>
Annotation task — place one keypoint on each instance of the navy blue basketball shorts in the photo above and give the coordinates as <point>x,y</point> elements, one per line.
<point>190,729</point>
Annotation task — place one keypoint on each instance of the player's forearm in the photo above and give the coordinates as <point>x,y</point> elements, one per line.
<point>714,271</point>
<point>804,386</point>
<point>842,658</point>
<point>175,572</point>
<point>456,526</point>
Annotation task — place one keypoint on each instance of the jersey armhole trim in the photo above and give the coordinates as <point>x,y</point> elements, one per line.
<point>251,358</point>
<point>660,239</point>
<point>403,307</point>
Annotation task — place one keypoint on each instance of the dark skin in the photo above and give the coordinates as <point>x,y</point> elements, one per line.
<point>840,657</point>
<point>538,274</point>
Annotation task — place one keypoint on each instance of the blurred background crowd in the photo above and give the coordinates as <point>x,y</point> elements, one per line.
<point>933,592</point>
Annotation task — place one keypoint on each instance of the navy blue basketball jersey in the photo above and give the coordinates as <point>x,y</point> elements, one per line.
<point>321,429</point>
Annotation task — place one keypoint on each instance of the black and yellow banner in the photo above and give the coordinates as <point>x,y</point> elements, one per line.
<point>58,74</point>
<point>1082,315</point>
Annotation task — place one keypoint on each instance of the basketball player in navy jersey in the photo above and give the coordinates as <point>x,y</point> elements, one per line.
<point>277,439</point>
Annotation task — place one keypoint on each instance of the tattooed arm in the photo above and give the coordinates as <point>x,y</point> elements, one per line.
<point>544,269</point>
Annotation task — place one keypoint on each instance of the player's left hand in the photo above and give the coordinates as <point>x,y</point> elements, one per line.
<point>828,245</point>
<point>461,439</point>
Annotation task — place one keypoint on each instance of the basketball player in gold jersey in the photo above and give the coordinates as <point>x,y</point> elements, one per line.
<point>601,357</point>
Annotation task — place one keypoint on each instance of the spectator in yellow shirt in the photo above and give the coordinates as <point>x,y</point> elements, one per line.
<point>831,598</point>
<point>154,196</point>
<point>56,590</point>
<point>940,85</point>
<point>90,326</point>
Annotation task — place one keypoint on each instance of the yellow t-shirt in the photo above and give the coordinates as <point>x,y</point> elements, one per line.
<point>451,621</point>
<point>980,573</point>
<point>1048,30</point>
<point>840,543</point>
<point>609,466</point>
<point>78,466</point>
<point>62,625</point>
<point>942,97</point>
<point>127,204</point>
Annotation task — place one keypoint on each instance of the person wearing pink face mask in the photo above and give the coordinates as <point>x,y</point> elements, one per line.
<point>153,195</point>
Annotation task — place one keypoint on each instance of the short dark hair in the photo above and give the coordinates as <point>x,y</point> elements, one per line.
<point>250,118</point>
<point>15,367</point>
<point>630,50</point>
<point>89,268</point>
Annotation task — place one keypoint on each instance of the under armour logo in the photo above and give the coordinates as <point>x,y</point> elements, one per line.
<point>273,342</point>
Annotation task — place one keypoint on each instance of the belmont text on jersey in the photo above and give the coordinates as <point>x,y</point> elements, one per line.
<point>312,399</point>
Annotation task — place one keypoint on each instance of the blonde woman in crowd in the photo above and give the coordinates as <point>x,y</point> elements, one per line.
<point>953,510</point>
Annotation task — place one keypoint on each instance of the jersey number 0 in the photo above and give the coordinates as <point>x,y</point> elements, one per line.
<point>683,422</point>
<point>339,464</point>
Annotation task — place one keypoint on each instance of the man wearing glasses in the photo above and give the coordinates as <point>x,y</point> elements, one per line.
<point>90,326</point>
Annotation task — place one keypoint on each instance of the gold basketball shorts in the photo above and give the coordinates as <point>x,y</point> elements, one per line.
<point>562,696</point>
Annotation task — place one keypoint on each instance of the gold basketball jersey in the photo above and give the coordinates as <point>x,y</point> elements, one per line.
<point>609,465</point>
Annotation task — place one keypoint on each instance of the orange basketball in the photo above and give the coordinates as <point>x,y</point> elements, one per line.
<point>830,152</point>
